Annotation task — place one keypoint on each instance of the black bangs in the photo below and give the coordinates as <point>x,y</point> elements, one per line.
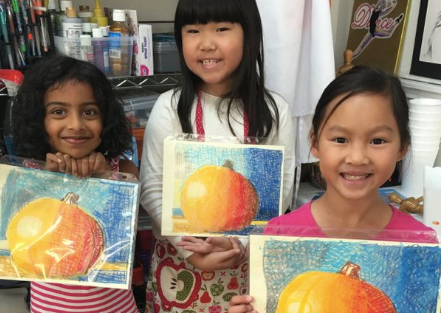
<point>205,11</point>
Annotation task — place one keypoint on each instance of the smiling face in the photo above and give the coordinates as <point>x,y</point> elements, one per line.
<point>213,52</point>
<point>358,146</point>
<point>73,120</point>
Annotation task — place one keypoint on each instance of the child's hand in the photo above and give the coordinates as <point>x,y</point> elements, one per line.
<point>94,163</point>
<point>59,162</point>
<point>241,304</point>
<point>210,244</point>
<point>218,260</point>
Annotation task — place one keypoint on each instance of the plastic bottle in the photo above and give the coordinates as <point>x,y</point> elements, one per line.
<point>100,50</point>
<point>119,56</point>
<point>87,49</point>
<point>85,16</point>
<point>72,30</point>
<point>83,8</point>
<point>98,15</point>
<point>59,17</point>
<point>87,29</point>
<point>105,30</point>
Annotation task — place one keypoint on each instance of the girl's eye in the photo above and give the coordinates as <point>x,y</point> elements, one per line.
<point>90,112</point>
<point>192,31</point>
<point>378,141</point>
<point>222,29</point>
<point>340,140</point>
<point>58,112</point>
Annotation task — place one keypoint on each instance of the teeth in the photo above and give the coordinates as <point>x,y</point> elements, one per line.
<point>355,177</point>
<point>208,62</point>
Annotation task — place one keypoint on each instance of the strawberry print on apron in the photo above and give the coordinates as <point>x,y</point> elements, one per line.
<point>176,286</point>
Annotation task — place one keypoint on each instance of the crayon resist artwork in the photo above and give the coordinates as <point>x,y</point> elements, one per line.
<point>220,188</point>
<point>292,274</point>
<point>57,228</point>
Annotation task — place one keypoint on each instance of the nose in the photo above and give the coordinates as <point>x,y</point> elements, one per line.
<point>357,155</point>
<point>207,42</point>
<point>75,122</point>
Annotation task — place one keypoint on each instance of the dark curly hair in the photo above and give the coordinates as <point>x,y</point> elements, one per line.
<point>28,111</point>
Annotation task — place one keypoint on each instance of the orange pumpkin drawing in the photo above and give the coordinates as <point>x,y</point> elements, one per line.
<point>49,238</point>
<point>341,292</point>
<point>218,199</point>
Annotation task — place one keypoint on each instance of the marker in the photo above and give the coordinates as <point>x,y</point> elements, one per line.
<point>18,53</point>
<point>28,26</point>
<point>16,10</point>
<point>5,35</point>
<point>37,33</point>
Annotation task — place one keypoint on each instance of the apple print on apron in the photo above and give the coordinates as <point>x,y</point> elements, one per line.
<point>178,287</point>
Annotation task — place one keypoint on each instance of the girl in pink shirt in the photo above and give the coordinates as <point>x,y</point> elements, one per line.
<point>359,133</point>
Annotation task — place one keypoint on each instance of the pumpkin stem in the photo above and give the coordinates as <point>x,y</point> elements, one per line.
<point>350,269</point>
<point>71,198</point>
<point>229,164</point>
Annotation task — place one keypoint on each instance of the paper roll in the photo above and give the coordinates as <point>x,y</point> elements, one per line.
<point>432,199</point>
<point>414,162</point>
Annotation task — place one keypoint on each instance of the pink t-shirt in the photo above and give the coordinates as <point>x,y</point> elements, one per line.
<point>401,227</point>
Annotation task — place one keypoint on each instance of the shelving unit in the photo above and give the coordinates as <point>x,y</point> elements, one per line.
<point>3,90</point>
<point>157,82</point>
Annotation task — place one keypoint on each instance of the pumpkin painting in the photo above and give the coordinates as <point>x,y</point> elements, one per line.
<point>49,238</point>
<point>343,292</point>
<point>218,199</point>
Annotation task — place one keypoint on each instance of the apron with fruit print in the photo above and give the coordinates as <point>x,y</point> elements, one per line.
<point>176,286</point>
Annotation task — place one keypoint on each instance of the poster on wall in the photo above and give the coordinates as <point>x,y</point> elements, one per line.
<point>55,227</point>
<point>426,59</point>
<point>376,33</point>
<point>220,188</point>
<point>292,274</point>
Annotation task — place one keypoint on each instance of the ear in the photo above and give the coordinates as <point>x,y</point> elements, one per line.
<point>402,152</point>
<point>314,145</point>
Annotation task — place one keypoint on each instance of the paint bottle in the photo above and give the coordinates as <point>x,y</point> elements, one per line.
<point>59,16</point>
<point>83,8</point>
<point>72,30</point>
<point>86,48</point>
<point>118,45</point>
<point>85,16</point>
<point>98,15</point>
<point>87,29</point>
<point>100,50</point>
<point>105,30</point>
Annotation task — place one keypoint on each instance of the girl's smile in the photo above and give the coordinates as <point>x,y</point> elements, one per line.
<point>73,119</point>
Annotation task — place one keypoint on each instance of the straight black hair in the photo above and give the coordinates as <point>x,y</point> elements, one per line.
<point>28,111</point>
<point>256,102</point>
<point>363,80</point>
